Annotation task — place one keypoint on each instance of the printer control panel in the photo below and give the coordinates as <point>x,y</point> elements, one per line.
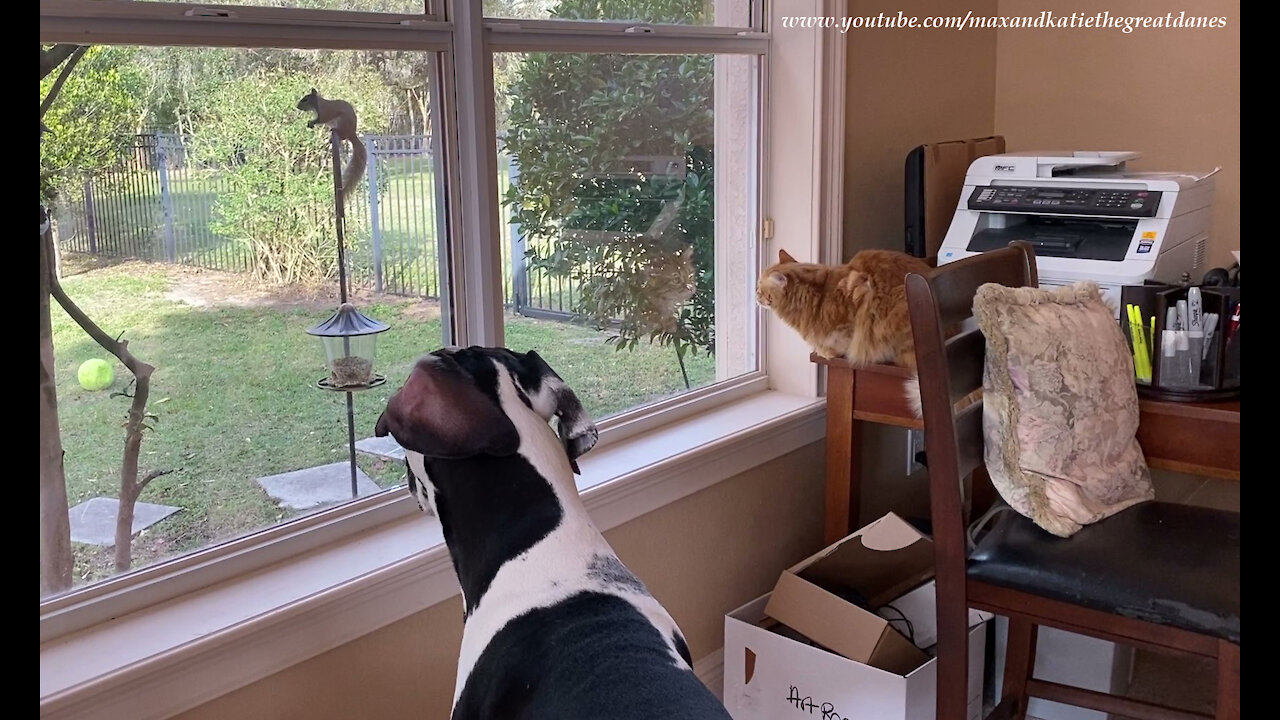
<point>1066,200</point>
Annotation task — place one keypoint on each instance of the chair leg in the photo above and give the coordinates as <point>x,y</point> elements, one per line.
<point>1228,705</point>
<point>953,661</point>
<point>1019,663</point>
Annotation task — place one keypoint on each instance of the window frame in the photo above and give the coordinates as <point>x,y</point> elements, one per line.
<point>99,22</point>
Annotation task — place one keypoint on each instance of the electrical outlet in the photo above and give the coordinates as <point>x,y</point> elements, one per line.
<point>915,450</point>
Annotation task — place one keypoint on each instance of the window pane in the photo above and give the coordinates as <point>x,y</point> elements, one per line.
<point>629,189</point>
<point>195,215</point>
<point>729,13</point>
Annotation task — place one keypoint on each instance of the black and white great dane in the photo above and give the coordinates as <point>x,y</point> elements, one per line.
<point>555,626</point>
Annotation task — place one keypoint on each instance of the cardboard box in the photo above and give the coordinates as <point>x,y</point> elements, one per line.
<point>880,562</point>
<point>768,676</point>
<point>809,647</point>
<point>917,613</point>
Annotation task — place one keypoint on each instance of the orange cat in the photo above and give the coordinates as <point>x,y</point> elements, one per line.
<point>857,310</point>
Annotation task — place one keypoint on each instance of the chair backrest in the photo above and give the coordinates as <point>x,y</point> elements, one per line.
<point>949,365</point>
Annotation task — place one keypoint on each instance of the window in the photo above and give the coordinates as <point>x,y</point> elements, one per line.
<point>207,238</point>
<point>626,194</point>
<point>623,170</point>
<point>725,13</point>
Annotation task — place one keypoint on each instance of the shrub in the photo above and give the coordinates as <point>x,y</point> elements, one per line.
<point>277,196</point>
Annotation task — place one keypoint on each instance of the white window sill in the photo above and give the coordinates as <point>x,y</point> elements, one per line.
<point>186,651</point>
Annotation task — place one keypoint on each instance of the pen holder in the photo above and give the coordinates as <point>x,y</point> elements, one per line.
<point>1184,366</point>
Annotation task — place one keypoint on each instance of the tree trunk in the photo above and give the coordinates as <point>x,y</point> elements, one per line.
<point>409,103</point>
<point>56,561</point>
<point>425,111</point>
<point>130,486</point>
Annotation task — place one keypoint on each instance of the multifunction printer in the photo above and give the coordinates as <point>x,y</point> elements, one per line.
<point>1087,216</point>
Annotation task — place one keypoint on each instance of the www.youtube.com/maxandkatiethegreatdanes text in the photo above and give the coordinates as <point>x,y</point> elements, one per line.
<point>1046,19</point>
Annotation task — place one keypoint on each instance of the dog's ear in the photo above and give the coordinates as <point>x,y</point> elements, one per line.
<point>577,432</point>
<point>440,413</point>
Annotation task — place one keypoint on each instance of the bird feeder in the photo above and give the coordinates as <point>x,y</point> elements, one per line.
<point>349,339</point>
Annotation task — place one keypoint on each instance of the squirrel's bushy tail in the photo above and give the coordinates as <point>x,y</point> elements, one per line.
<point>355,168</point>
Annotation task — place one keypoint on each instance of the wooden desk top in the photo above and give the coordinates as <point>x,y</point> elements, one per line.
<point>1196,438</point>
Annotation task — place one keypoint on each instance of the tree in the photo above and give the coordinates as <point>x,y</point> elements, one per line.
<point>95,121</point>
<point>584,130</point>
<point>85,154</point>
<point>278,196</point>
<point>56,561</point>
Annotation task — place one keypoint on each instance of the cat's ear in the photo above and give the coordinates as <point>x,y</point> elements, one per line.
<point>785,257</point>
<point>852,281</point>
<point>778,279</point>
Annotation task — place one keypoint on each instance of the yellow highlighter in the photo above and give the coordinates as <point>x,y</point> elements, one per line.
<point>1141,360</point>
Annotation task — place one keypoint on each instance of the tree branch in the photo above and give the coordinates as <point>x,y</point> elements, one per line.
<point>76,53</point>
<point>130,487</point>
<point>53,57</point>
<point>119,349</point>
<point>142,484</point>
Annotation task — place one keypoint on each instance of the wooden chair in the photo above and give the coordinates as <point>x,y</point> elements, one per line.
<point>1157,575</point>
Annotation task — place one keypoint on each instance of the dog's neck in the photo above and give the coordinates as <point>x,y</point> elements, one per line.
<point>492,510</point>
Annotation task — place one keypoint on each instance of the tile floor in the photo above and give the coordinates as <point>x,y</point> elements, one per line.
<point>1177,681</point>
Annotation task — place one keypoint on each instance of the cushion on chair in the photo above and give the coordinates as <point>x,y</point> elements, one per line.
<point>1173,564</point>
<point>1060,406</point>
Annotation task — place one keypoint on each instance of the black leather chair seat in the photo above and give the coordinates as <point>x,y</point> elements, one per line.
<point>1173,564</point>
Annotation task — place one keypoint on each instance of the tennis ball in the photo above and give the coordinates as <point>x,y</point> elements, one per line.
<point>96,374</point>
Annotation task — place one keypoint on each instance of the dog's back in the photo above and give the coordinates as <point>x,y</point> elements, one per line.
<point>592,656</point>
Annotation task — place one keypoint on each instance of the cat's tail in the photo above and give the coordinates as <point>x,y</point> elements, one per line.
<point>911,388</point>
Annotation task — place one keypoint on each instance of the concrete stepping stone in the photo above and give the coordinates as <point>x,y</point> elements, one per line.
<point>322,485</point>
<point>93,521</point>
<point>383,447</point>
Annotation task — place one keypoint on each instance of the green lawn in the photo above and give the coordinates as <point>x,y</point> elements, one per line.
<point>234,391</point>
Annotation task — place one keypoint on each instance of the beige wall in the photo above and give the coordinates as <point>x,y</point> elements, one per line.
<point>701,556</point>
<point>1173,94</point>
<point>904,88</point>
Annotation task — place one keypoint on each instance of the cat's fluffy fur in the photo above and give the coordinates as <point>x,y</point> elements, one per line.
<point>857,311</point>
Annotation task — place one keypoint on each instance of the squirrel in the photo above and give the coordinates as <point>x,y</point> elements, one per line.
<point>338,115</point>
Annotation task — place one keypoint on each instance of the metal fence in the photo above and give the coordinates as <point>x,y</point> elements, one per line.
<point>159,205</point>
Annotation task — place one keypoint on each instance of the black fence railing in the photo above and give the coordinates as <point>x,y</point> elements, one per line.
<point>156,205</point>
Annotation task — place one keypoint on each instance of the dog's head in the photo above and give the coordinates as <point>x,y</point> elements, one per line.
<point>453,406</point>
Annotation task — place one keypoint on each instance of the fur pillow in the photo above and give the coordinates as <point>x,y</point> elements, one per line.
<point>1060,405</point>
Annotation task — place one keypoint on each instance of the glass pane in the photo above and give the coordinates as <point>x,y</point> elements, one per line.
<point>727,13</point>
<point>195,215</point>
<point>629,188</point>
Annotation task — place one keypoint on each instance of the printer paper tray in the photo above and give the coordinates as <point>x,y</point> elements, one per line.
<point>1094,241</point>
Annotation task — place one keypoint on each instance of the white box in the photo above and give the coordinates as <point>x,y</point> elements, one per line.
<point>1071,659</point>
<point>771,677</point>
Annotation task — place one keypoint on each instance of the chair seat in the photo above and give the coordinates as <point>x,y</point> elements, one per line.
<point>1172,564</point>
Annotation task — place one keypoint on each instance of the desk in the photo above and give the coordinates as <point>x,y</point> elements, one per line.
<point>1195,438</point>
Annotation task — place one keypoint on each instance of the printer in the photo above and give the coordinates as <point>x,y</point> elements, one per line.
<point>1087,216</point>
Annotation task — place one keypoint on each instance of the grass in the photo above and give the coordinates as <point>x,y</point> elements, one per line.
<point>234,392</point>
